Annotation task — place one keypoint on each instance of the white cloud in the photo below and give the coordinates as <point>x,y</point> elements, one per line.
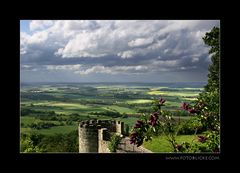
<point>127,69</point>
<point>153,66</point>
<point>167,63</point>
<point>195,59</point>
<point>81,46</point>
<point>23,42</point>
<point>39,24</point>
<point>38,38</point>
<point>64,67</point>
<point>187,68</point>
<point>29,68</point>
<point>114,46</point>
<point>157,45</point>
<point>111,38</point>
<point>95,69</point>
<point>183,68</point>
<point>140,42</point>
<point>26,66</point>
<point>126,54</point>
<point>89,38</point>
<point>100,69</point>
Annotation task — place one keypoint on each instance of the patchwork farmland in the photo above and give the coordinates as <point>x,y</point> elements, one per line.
<point>55,108</point>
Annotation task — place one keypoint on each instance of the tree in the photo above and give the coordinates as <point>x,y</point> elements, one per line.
<point>211,94</point>
<point>206,111</point>
<point>212,39</point>
<point>207,104</point>
<point>27,145</point>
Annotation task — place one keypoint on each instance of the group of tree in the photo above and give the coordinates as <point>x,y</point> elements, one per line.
<point>41,125</point>
<point>55,143</point>
<point>112,114</point>
<point>33,112</point>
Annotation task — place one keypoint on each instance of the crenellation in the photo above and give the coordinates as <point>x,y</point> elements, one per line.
<point>94,135</point>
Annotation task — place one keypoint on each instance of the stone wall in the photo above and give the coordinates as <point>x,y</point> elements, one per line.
<point>103,140</point>
<point>127,147</point>
<point>94,135</point>
<point>88,139</point>
<point>119,127</point>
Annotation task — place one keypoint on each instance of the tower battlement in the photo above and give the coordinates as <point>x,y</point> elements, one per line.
<point>94,134</point>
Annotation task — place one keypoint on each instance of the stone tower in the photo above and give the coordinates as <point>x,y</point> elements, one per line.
<point>88,137</point>
<point>119,127</point>
<point>94,134</point>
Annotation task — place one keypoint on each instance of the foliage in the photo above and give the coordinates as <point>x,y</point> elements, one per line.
<point>210,142</point>
<point>77,117</point>
<point>41,125</point>
<point>114,142</point>
<point>159,121</point>
<point>127,129</point>
<point>124,115</point>
<point>205,109</point>
<point>54,143</point>
<point>213,141</point>
<point>190,127</point>
<point>162,121</point>
<point>180,113</point>
<point>32,112</point>
<point>108,113</point>
<point>28,143</point>
<point>209,114</point>
<point>212,39</point>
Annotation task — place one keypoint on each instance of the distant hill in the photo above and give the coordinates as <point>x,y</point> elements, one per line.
<point>167,84</point>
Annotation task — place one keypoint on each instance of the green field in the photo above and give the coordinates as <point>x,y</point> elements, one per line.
<point>29,120</point>
<point>139,101</point>
<point>161,145</point>
<point>63,106</point>
<point>173,93</point>
<point>121,109</point>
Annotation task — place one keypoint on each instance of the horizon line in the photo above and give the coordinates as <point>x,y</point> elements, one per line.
<point>119,82</point>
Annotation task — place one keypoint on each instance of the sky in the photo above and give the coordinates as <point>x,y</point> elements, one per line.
<point>114,50</point>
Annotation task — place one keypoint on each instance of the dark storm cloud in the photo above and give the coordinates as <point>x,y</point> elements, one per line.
<point>117,48</point>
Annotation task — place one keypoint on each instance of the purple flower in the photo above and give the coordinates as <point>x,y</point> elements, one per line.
<point>201,105</point>
<point>136,139</point>
<point>192,110</point>
<point>156,114</point>
<point>185,106</point>
<point>138,124</point>
<point>153,119</point>
<point>132,141</point>
<point>179,147</point>
<point>134,134</point>
<point>133,138</point>
<point>161,101</point>
<point>202,139</point>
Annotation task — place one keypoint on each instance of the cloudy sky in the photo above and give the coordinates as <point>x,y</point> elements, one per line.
<point>114,50</point>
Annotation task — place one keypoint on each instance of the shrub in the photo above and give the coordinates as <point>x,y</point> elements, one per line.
<point>114,142</point>
<point>126,130</point>
<point>190,127</point>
